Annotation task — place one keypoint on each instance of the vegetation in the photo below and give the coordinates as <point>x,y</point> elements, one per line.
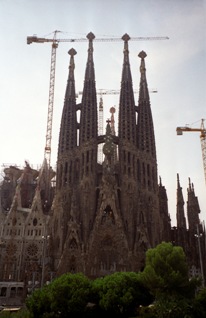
<point>66,295</point>
<point>120,294</point>
<point>162,290</point>
<point>166,272</point>
<point>166,276</point>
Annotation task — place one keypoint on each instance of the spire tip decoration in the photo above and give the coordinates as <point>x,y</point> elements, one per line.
<point>90,36</point>
<point>72,52</point>
<point>142,54</point>
<point>125,37</point>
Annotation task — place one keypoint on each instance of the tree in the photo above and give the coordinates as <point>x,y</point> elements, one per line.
<point>199,305</point>
<point>66,295</point>
<point>166,271</point>
<point>121,293</point>
<point>166,276</point>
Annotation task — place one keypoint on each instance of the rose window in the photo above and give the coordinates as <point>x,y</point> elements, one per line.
<point>11,249</point>
<point>32,249</point>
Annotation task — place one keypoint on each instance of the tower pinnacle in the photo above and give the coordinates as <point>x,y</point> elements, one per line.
<point>144,94</point>
<point>71,52</point>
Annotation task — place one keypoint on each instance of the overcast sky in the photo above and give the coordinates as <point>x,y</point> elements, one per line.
<point>176,68</point>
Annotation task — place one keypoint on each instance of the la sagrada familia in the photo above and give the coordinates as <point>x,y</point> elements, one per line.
<point>96,218</point>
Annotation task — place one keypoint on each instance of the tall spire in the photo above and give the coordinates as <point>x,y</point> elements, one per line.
<point>164,215</point>
<point>145,129</point>
<point>193,208</point>
<point>145,134</point>
<point>181,221</point>
<point>143,94</point>
<point>127,119</point>
<point>68,130</point>
<point>88,119</point>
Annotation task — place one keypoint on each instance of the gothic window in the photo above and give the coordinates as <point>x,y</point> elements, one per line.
<point>128,157</point>
<point>65,173</point>
<point>14,221</point>
<point>32,249</point>
<point>77,169</point>
<point>138,171</point>
<point>11,249</point>
<point>124,155</point>
<point>34,221</point>
<point>70,172</point>
<point>73,244</point>
<point>143,170</point>
<point>92,160</point>
<point>148,170</point>
<point>126,225</point>
<point>108,216</point>
<point>141,218</point>
<point>3,291</point>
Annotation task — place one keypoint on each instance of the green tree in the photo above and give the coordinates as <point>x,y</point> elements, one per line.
<point>199,305</point>
<point>120,294</point>
<point>166,276</point>
<point>166,271</point>
<point>66,295</point>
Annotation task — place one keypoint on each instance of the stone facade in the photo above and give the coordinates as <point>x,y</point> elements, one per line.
<point>99,218</point>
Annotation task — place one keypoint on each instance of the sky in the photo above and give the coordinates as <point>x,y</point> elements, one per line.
<point>176,68</point>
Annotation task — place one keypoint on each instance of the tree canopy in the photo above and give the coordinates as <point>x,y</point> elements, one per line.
<point>166,271</point>
<point>66,295</point>
<point>118,294</point>
<point>166,274</point>
<point>165,277</point>
<point>121,293</point>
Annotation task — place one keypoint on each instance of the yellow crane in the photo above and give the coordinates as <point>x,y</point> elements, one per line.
<point>55,42</point>
<point>202,131</point>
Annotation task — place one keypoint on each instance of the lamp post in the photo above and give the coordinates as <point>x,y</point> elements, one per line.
<point>32,284</point>
<point>2,246</point>
<point>45,238</point>
<point>198,235</point>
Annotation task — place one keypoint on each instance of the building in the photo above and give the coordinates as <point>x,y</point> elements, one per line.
<point>98,218</point>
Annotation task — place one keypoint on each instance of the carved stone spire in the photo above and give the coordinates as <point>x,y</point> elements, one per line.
<point>180,214</point>
<point>68,129</point>
<point>193,208</point>
<point>145,128</point>
<point>127,105</point>
<point>143,94</point>
<point>88,119</point>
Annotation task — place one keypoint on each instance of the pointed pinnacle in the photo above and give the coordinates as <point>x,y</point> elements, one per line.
<point>125,37</point>
<point>142,54</point>
<point>72,52</point>
<point>90,36</point>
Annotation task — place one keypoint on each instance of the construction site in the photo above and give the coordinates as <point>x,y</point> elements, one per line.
<point>104,205</point>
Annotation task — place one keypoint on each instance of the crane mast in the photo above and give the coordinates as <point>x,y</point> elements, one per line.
<point>47,150</point>
<point>202,131</point>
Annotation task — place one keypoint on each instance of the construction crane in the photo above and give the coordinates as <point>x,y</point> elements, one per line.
<point>113,92</point>
<point>202,131</point>
<point>55,42</point>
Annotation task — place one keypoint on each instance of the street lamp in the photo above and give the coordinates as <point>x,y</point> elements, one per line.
<point>32,285</point>
<point>45,238</point>
<point>198,235</point>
